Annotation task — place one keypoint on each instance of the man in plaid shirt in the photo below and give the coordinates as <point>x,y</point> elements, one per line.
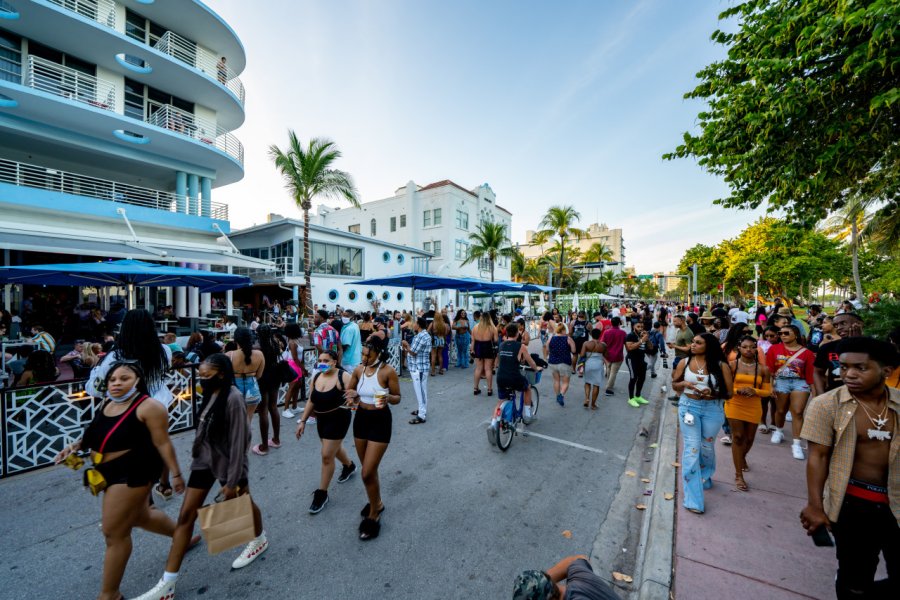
<point>418,361</point>
<point>325,337</point>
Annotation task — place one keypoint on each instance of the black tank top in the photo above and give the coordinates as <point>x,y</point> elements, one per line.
<point>330,399</point>
<point>509,358</point>
<point>132,434</point>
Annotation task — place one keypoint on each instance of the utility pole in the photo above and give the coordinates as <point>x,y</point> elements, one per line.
<point>550,282</point>
<point>696,297</point>
<point>756,285</point>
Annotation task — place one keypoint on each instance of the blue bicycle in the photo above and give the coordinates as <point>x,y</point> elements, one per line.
<point>512,412</point>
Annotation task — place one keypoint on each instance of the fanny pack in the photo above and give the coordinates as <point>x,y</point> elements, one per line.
<point>93,478</point>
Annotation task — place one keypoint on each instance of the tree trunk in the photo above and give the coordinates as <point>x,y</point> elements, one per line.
<point>307,267</point>
<point>562,256</point>
<point>854,246</point>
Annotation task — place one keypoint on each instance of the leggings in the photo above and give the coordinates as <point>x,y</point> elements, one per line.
<point>637,369</point>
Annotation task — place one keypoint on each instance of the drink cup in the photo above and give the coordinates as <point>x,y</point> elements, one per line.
<point>380,398</point>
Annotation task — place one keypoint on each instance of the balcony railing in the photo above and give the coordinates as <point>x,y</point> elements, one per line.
<point>198,128</point>
<point>34,176</point>
<point>284,267</point>
<point>201,58</point>
<point>52,78</point>
<point>101,11</point>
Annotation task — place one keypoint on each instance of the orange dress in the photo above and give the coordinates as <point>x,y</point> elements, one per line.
<point>747,408</point>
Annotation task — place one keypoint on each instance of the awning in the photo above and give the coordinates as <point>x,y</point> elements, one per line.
<point>211,255</point>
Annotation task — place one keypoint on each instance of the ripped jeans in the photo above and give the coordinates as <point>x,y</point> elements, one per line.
<point>698,459</point>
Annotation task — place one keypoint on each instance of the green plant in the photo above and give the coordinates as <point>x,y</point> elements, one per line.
<point>881,318</point>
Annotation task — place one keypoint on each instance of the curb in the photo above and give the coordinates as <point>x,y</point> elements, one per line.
<point>653,573</point>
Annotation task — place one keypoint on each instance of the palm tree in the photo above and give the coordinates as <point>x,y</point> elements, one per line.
<point>598,252</point>
<point>518,264</point>
<point>489,242</point>
<point>559,221</point>
<point>846,224</point>
<point>308,173</point>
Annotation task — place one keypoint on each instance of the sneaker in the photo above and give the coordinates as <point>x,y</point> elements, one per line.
<point>763,428</point>
<point>797,451</point>
<point>527,412</point>
<point>633,402</point>
<point>788,418</point>
<point>288,413</point>
<point>652,375</point>
<point>256,547</point>
<point>347,472</point>
<point>163,590</point>
<point>725,439</point>
<point>641,400</point>
<point>320,499</point>
<point>310,421</point>
<point>777,436</point>
<point>610,393</point>
<point>560,399</point>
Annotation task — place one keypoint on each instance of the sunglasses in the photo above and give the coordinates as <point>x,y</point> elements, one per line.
<point>784,333</point>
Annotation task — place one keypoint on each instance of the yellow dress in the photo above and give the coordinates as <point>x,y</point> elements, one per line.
<point>747,408</point>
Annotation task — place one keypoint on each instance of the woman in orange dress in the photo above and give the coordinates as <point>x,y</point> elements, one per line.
<point>744,409</point>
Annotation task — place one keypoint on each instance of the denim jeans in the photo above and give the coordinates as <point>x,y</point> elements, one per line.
<point>698,458</point>
<point>462,351</point>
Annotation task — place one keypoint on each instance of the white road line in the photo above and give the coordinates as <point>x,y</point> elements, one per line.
<point>527,433</point>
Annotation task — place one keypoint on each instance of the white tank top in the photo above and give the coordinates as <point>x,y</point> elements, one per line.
<point>286,355</point>
<point>367,386</point>
<point>702,382</point>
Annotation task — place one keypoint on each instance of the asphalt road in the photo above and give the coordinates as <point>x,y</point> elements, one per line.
<point>462,518</point>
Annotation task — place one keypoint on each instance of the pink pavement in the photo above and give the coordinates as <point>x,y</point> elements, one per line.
<point>751,544</point>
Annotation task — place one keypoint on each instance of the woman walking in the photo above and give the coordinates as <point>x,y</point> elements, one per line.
<point>559,350</point>
<point>438,330</point>
<point>293,355</point>
<point>592,352</point>
<point>248,365</point>
<point>791,365</point>
<point>326,398</point>
<point>463,339</point>
<point>484,336</point>
<point>129,442</point>
<point>373,387</point>
<point>704,382</point>
<point>269,385</point>
<point>219,454</point>
<point>744,408</point>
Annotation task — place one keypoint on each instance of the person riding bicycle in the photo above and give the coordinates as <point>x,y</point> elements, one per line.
<point>512,354</point>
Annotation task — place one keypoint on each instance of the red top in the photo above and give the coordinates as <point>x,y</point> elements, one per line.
<point>614,338</point>
<point>800,368</point>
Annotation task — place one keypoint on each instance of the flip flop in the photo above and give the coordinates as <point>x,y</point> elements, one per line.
<point>417,420</point>
<point>257,450</point>
<point>274,444</point>
<point>741,485</point>
<point>369,529</point>
<point>365,511</point>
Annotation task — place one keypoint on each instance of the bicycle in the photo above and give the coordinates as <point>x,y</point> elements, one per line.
<point>511,412</point>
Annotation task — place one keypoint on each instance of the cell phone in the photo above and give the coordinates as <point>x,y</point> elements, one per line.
<point>821,537</point>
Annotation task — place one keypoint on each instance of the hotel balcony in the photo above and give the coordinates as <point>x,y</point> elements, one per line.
<point>189,125</point>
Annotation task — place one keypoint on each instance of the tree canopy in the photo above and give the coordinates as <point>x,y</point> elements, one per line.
<point>804,112</point>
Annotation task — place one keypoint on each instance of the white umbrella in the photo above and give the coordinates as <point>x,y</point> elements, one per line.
<point>541,306</point>
<point>575,302</point>
<point>526,305</point>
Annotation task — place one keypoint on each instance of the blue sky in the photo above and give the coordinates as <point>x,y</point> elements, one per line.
<point>548,102</point>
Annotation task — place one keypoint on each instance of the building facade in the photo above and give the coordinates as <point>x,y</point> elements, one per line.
<point>596,233</point>
<point>116,121</point>
<point>338,259</point>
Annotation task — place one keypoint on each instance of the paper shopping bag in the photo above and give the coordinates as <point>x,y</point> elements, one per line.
<point>227,524</point>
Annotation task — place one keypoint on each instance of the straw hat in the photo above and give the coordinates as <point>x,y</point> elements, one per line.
<point>784,311</point>
<point>707,316</point>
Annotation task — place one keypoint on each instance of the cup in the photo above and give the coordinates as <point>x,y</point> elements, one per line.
<point>380,398</point>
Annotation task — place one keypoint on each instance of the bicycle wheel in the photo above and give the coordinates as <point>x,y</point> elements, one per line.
<point>535,401</point>
<point>504,433</point>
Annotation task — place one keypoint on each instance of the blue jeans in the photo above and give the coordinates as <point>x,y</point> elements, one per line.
<point>698,458</point>
<point>462,351</point>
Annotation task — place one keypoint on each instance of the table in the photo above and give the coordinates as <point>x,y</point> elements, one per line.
<point>164,323</point>
<point>5,345</point>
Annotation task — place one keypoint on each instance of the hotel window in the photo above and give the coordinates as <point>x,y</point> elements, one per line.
<point>333,259</point>
<point>427,246</point>
<point>373,228</point>
<point>10,57</point>
<point>462,220</point>
<point>353,228</point>
<point>426,220</point>
<point>436,245</point>
<point>393,223</point>
<point>437,216</point>
<point>402,220</point>
<point>461,250</point>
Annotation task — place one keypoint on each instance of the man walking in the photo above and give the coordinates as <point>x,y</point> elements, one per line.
<point>682,343</point>
<point>614,338</point>
<point>325,337</point>
<point>637,343</point>
<point>419,353</point>
<point>827,374</point>
<point>351,341</point>
<point>854,439</point>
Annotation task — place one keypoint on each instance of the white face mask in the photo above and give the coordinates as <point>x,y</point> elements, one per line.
<point>345,319</point>
<point>124,397</point>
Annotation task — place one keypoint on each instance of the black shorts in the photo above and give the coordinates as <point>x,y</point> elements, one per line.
<point>579,342</point>
<point>485,350</point>
<point>515,382</point>
<point>204,480</point>
<point>373,425</point>
<point>131,470</point>
<point>333,425</point>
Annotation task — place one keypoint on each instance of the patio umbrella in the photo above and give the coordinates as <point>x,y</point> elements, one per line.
<point>526,304</point>
<point>542,308</point>
<point>575,302</point>
<point>422,281</point>
<point>126,273</point>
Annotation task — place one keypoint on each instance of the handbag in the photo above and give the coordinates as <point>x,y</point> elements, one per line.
<point>285,372</point>
<point>227,524</point>
<point>93,479</point>
<point>788,361</point>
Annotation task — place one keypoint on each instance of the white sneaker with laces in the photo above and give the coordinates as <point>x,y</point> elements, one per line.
<point>288,413</point>
<point>797,451</point>
<point>256,547</point>
<point>161,591</point>
<point>527,412</point>
<point>777,436</point>
<point>725,439</point>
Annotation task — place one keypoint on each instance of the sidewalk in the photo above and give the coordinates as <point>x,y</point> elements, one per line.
<point>752,542</point>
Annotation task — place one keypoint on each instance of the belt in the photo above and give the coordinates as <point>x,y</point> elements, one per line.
<point>867,491</point>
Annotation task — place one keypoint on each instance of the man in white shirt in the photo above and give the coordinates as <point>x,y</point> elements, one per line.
<point>615,312</point>
<point>740,315</point>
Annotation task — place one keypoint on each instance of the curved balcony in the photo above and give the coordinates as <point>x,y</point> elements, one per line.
<point>194,127</point>
<point>48,76</point>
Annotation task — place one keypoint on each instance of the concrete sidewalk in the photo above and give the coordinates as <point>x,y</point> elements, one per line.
<point>752,542</point>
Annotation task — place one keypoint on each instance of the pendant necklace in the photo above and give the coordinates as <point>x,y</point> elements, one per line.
<point>879,421</point>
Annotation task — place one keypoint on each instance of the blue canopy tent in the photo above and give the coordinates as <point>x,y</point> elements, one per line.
<point>127,273</point>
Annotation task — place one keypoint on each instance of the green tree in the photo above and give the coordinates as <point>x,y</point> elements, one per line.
<point>489,242</point>
<point>803,113</point>
<point>598,252</point>
<point>710,271</point>
<point>559,222</point>
<point>308,173</point>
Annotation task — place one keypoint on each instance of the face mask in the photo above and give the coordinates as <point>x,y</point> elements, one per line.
<point>123,398</point>
<point>345,319</point>
<point>210,383</point>
<point>323,367</point>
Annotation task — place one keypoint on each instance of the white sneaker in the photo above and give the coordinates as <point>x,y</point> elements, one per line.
<point>797,451</point>
<point>251,552</point>
<point>725,439</point>
<point>788,418</point>
<point>288,413</point>
<point>527,411</point>
<point>777,436</point>
<point>161,591</point>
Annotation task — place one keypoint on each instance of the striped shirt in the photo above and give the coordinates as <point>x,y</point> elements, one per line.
<point>44,341</point>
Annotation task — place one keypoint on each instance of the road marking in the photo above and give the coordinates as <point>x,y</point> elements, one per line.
<point>528,433</point>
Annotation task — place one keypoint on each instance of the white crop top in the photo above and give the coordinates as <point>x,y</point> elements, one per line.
<point>368,385</point>
<point>701,382</point>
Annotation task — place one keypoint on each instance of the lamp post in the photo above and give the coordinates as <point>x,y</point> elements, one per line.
<point>756,285</point>
<point>550,283</point>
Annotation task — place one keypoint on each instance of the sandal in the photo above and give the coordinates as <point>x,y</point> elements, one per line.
<point>593,407</point>
<point>585,404</point>
<point>163,491</point>
<point>274,444</point>
<point>365,511</point>
<point>369,529</point>
<point>696,511</point>
<point>258,450</point>
<point>476,392</point>
<point>740,484</point>
<point>417,420</point>
<point>490,392</point>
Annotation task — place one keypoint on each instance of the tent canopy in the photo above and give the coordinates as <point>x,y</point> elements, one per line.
<point>424,281</point>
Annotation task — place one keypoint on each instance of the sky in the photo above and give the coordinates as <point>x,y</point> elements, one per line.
<point>568,102</point>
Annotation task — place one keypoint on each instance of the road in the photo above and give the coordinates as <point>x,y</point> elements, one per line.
<point>462,517</point>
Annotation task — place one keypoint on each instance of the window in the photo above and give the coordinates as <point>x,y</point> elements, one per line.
<point>462,220</point>
<point>135,26</point>
<point>333,295</point>
<point>373,228</point>
<point>437,216</point>
<point>385,296</point>
<point>10,57</point>
<point>426,221</point>
<point>393,223</point>
<point>332,259</point>
<point>402,220</point>
<point>352,295</point>
<point>427,246</point>
<point>461,250</point>
<point>134,99</point>
<point>399,296</point>
<point>437,248</point>
<point>386,257</point>
<point>353,228</point>
<point>370,295</point>
<point>400,259</point>
<point>484,264</point>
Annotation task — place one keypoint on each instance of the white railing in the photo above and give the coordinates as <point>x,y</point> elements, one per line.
<point>48,76</point>
<point>202,59</point>
<point>284,267</point>
<point>101,11</point>
<point>206,131</point>
<point>34,176</point>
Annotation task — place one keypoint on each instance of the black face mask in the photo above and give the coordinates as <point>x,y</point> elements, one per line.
<point>211,383</point>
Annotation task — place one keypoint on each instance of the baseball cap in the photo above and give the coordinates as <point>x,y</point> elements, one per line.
<point>533,585</point>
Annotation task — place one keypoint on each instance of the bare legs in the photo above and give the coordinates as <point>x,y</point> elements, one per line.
<point>591,392</point>
<point>798,405</point>
<point>437,360</point>
<point>484,369</point>
<point>267,409</point>
<point>370,454</point>
<point>742,434</point>
<point>782,401</point>
<point>330,450</point>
